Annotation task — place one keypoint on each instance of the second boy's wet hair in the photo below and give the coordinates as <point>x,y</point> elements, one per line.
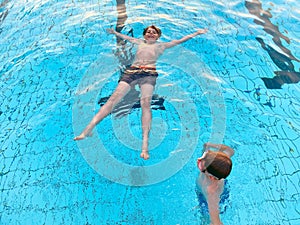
<point>153,27</point>
<point>217,164</point>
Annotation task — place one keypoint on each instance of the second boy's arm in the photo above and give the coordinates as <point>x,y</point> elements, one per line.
<point>125,37</point>
<point>222,148</point>
<point>185,38</point>
<point>213,208</point>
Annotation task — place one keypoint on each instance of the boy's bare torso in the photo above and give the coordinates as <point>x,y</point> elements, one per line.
<point>147,54</point>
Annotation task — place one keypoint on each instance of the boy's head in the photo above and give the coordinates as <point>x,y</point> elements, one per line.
<point>158,31</point>
<point>217,164</point>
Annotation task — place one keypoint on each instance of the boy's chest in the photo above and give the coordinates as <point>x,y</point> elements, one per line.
<point>149,49</point>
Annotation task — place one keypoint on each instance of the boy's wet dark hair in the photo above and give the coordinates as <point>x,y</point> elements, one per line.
<point>217,164</point>
<point>153,27</point>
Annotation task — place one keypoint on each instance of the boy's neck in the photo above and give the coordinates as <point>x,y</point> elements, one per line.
<point>149,42</point>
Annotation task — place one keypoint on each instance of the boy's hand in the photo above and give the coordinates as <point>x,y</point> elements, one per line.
<point>110,31</point>
<point>202,31</point>
<point>206,145</point>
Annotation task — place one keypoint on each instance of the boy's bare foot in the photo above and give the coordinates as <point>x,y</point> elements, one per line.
<point>82,136</point>
<point>145,154</point>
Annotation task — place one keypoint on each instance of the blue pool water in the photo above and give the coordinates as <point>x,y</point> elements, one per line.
<point>239,83</point>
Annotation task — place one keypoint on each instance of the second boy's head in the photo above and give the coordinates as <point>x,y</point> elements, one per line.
<point>217,164</point>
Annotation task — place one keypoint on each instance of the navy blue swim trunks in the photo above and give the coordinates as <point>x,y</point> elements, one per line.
<point>140,76</point>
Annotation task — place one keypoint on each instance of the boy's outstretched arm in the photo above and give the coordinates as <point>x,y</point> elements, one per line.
<point>185,38</point>
<point>124,37</point>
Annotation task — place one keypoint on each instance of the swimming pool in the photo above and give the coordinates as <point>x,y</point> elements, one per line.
<point>53,52</point>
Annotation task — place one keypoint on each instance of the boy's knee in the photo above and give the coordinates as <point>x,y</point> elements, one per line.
<point>114,99</point>
<point>145,102</point>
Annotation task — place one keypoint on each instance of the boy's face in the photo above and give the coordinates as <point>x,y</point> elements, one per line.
<point>151,35</point>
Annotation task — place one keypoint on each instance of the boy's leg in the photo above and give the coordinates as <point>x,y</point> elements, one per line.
<point>121,90</point>
<point>146,97</point>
